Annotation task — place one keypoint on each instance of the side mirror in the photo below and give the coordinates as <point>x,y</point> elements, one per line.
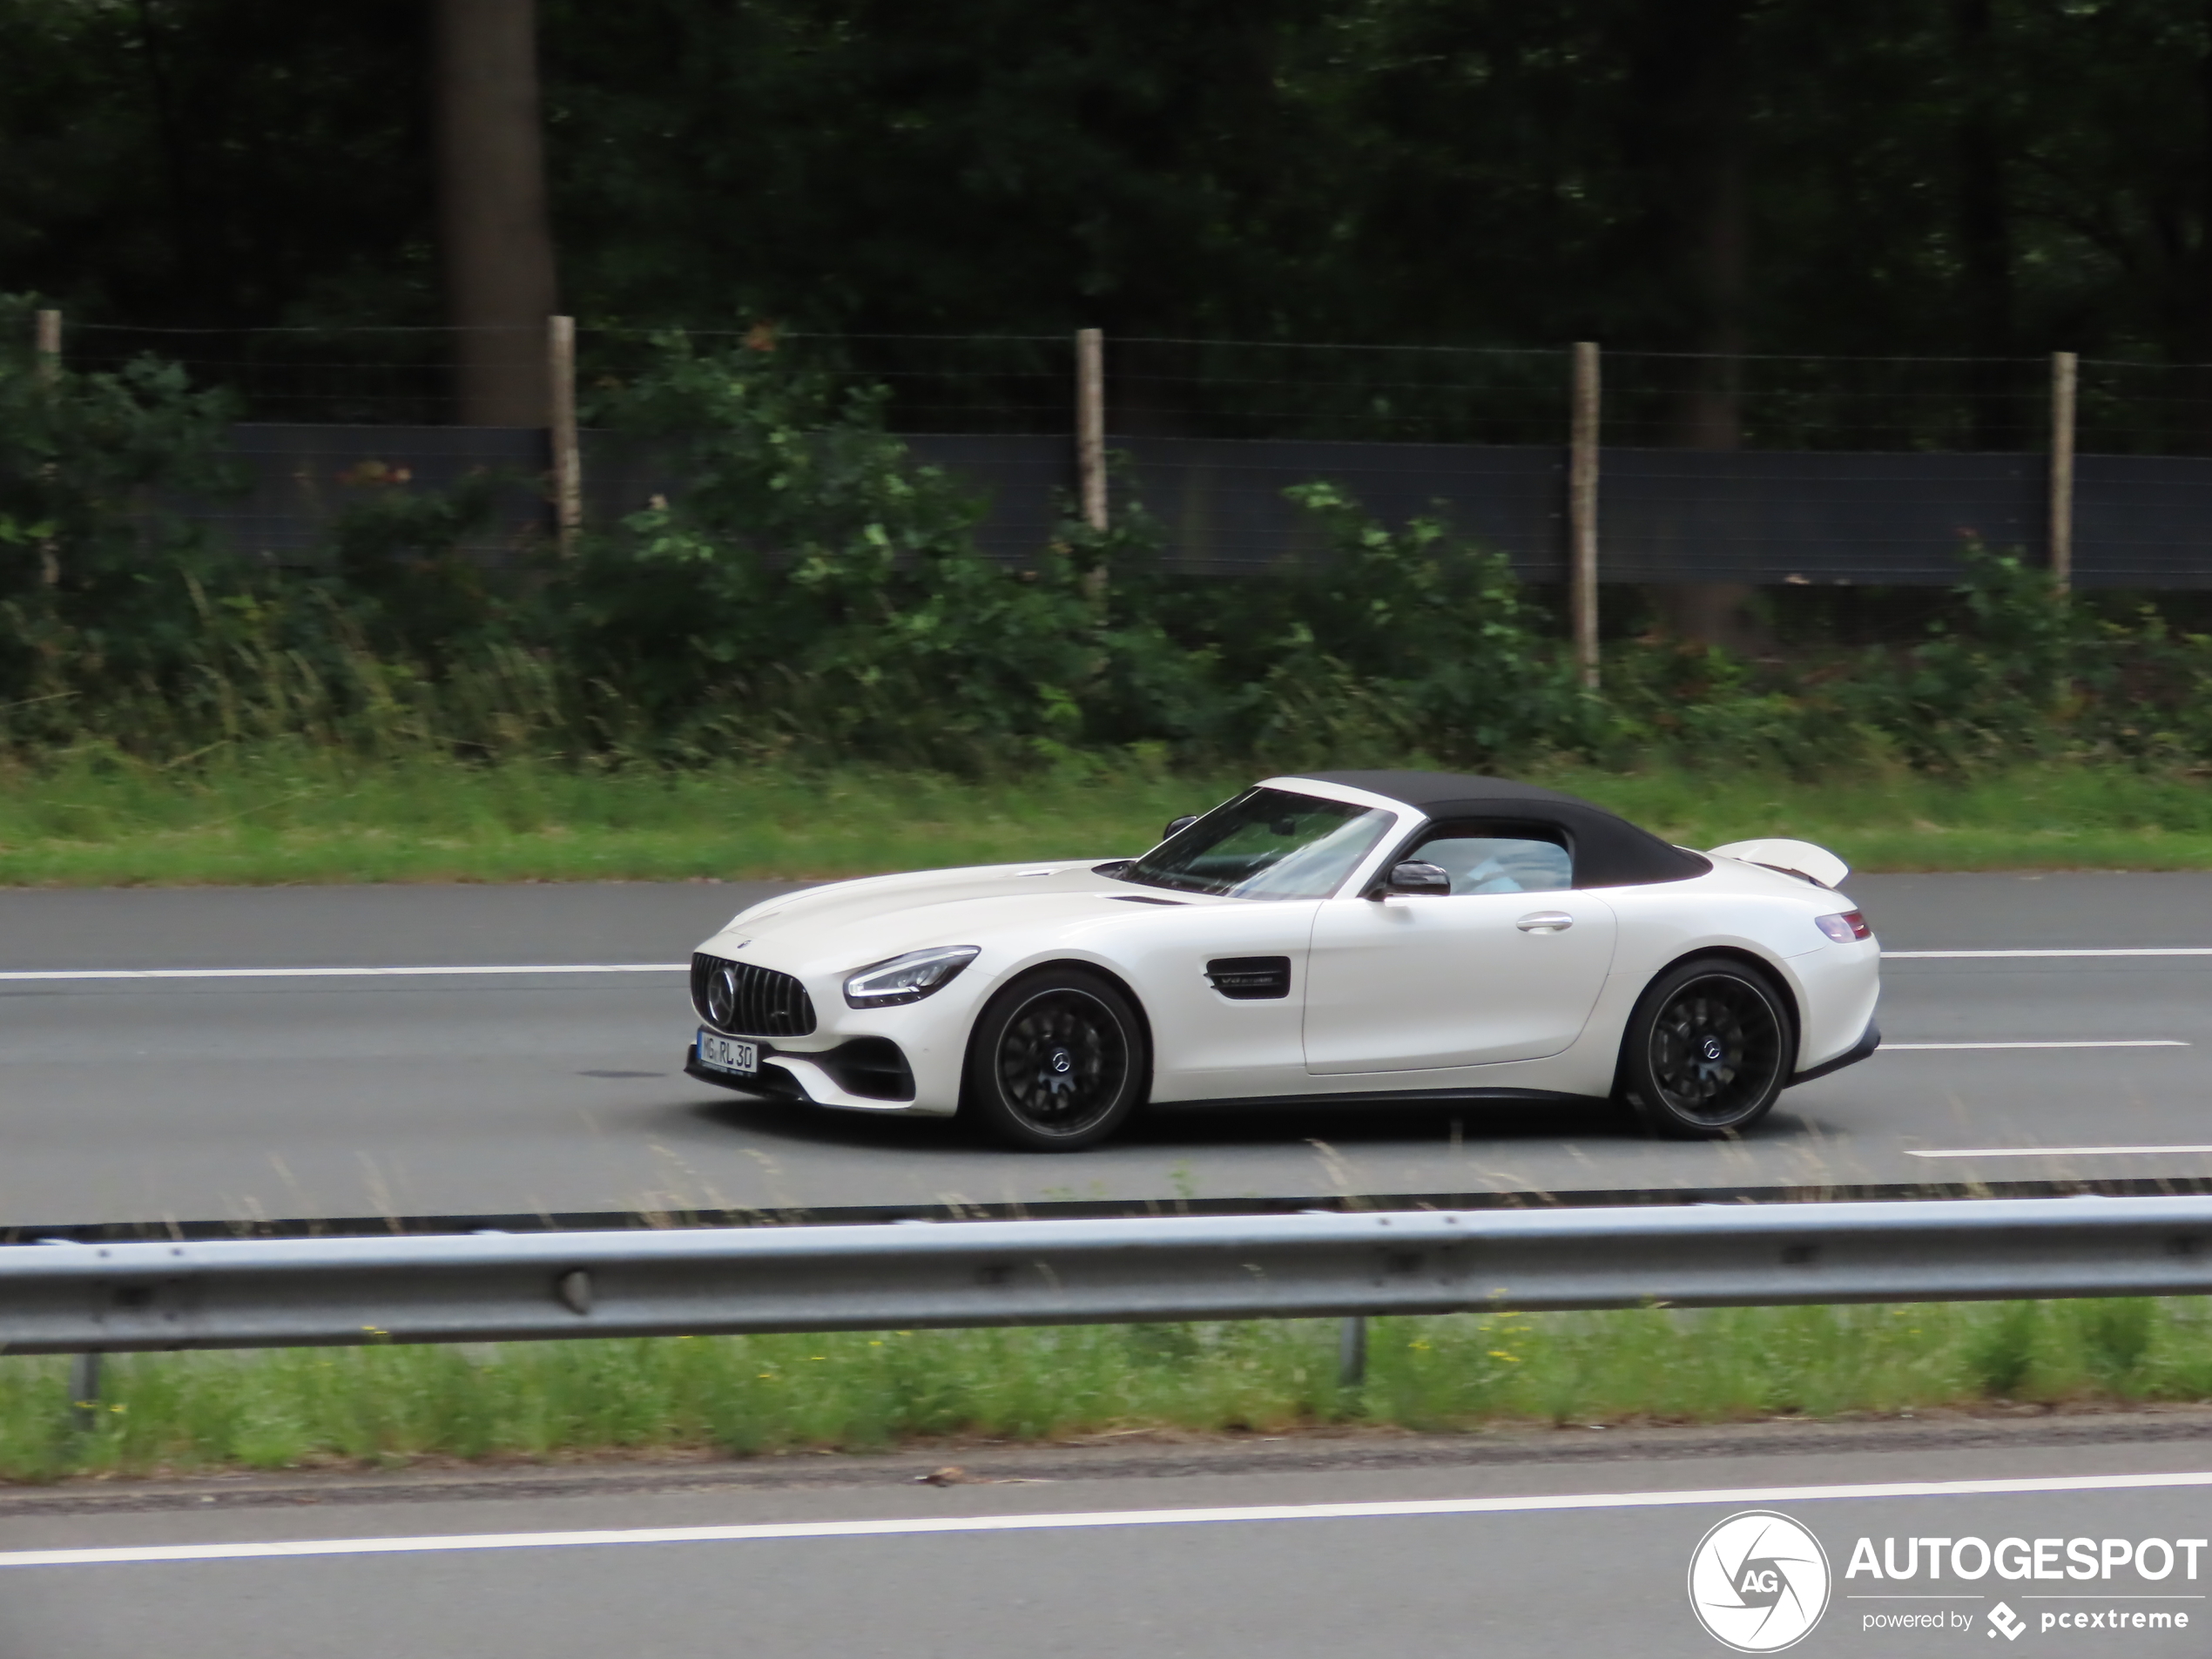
<point>1415,879</point>
<point>1176,826</point>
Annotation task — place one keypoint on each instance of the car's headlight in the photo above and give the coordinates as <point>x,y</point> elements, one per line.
<point>908,978</point>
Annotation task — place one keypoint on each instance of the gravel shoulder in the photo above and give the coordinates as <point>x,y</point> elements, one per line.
<point>1145,1455</point>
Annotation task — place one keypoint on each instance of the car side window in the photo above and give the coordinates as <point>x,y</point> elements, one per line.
<point>1498,858</point>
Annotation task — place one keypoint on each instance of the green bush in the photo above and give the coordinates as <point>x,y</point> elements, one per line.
<point>810,585</point>
<point>94,559</point>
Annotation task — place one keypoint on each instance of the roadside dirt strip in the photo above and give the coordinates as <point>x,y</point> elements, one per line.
<point>1136,1455</point>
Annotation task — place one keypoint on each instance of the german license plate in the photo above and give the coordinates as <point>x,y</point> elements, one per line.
<point>730,1055</point>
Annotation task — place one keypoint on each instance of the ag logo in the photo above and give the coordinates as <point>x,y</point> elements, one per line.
<point>1758,1581</point>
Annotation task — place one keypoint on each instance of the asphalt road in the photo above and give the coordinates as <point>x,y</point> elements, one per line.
<point>1538,1559</point>
<point>198,1098</point>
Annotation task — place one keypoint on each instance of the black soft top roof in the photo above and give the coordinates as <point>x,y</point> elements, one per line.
<point>1609,851</point>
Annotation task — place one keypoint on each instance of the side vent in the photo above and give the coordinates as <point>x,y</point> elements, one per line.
<point>871,1067</point>
<point>1251,979</point>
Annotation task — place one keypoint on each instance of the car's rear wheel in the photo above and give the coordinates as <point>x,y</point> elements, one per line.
<point>1707,1050</point>
<point>1057,1062</point>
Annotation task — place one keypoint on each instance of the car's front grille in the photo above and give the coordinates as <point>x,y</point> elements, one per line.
<point>751,1001</point>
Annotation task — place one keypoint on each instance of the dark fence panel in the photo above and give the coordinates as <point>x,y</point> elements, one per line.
<point>1024,481</point>
<point>2142,522</point>
<point>1219,501</point>
<point>620,476</point>
<point>1029,483</point>
<point>1762,516</point>
<point>1793,517</point>
<point>300,477</point>
<point>1221,505</point>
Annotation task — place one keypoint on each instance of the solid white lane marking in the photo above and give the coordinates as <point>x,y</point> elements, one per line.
<point>2053,1151</point>
<point>31,977</point>
<point>2081,1042</point>
<point>1970,955</point>
<point>923,1526</point>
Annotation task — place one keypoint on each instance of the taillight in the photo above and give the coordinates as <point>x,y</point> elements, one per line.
<point>1843,928</point>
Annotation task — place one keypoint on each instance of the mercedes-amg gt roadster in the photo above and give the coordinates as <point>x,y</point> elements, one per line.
<point>1391,937</point>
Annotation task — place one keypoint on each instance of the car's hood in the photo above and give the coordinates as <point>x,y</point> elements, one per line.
<point>849,924</point>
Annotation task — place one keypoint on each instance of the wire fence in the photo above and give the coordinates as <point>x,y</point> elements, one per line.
<point>1025,384</point>
<point>1787,469</point>
<point>336,376</point>
<point>1009,384</point>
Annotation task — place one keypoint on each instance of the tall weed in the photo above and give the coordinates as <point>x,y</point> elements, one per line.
<point>869,1390</point>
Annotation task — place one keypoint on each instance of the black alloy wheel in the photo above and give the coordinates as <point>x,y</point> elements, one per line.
<point>1707,1050</point>
<point>1057,1062</point>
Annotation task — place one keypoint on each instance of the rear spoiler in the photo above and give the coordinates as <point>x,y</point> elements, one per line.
<point>1801,858</point>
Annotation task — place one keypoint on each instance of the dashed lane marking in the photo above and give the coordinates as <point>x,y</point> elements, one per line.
<point>2051,1151</point>
<point>2070,950</point>
<point>2068,1042</point>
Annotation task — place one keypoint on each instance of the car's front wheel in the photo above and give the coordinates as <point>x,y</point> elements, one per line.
<point>1707,1050</point>
<point>1057,1062</point>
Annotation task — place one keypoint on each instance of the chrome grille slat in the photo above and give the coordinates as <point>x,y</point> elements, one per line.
<point>769,1004</point>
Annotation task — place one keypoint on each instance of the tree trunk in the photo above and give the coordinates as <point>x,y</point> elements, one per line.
<point>496,235</point>
<point>1985,232</point>
<point>1709,411</point>
<point>2195,300</point>
<point>194,298</point>
<point>1711,237</point>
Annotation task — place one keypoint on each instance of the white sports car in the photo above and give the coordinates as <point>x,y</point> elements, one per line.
<point>1354,936</point>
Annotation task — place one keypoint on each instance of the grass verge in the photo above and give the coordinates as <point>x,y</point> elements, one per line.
<point>746,1395</point>
<point>305,814</point>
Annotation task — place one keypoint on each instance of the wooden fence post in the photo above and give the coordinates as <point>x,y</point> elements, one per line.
<point>46,342</point>
<point>46,350</point>
<point>1581,510</point>
<point>568,455</point>
<point>1090,425</point>
<point>2065,374</point>
<point>1090,447</point>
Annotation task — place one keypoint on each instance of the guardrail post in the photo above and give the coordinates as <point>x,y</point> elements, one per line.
<point>83,1390</point>
<point>1581,510</point>
<point>1352,1352</point>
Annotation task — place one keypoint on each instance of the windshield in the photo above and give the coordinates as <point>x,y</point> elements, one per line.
<point>1268,844</point>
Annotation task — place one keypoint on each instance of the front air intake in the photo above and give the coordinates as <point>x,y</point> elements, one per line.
<point>748,1000</point>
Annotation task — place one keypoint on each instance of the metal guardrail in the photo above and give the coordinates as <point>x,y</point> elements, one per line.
<point>114,1297</point>
<point>175,1229</point>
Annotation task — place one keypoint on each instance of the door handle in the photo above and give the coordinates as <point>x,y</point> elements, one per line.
<point>1545,921</point>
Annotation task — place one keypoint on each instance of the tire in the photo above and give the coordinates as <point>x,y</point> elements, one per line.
<point>1707,1050</point>
<point>1057,1062</point>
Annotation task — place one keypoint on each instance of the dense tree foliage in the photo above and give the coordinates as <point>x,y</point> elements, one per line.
<point>1970,176</point>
